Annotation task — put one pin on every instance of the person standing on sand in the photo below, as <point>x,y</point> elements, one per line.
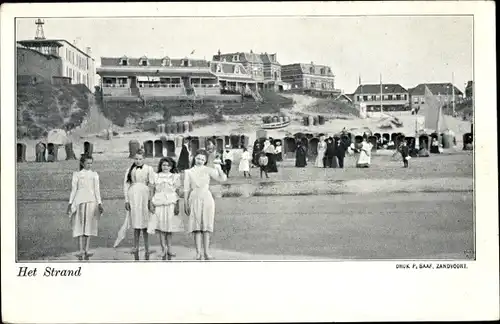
<point>405,153</point>
<point>364,159</point>
<point>271,157</point>
<point>329,153</point>
<point>245,163</point>
<point>228,160</point>
<point>138,188</point>
<point>85,205</point>
<point>279,152</point>
<point>199,203</point>
<point>300,155</point>
<point>263,164</point>
<point>320,159</point>
<point>340,152</point>
<point>165,219</point>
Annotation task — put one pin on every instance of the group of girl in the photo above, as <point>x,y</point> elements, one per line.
<point>266,155</point>
<point>152,204</point>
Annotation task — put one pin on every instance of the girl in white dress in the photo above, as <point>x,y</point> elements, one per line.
<point>245,163</point>
<point>166,219</point>
<point>199,203</point>
<point>364,159</point>
<point>321,153</point>
<point>138,188</point>
<point>85,205</point>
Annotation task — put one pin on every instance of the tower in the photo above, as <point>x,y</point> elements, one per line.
<point>39,29</point>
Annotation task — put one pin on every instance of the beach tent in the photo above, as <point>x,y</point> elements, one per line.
<point>51,152</point>
<point>386,137</point>
<point>373,140</point>
<point>289,146</point>
<point>40,152</point>
<point>133,148</point>
<point>468,142</point>
<point>195,145</point>
<point>424,141</point>
<point>21,152</point>
<point>158,148</point>
<point>148,149</point>
<point>88,148</point>
<point>313,146</point>
<point>244,141</point>
<point>70,153</point>
<point>234,141</point>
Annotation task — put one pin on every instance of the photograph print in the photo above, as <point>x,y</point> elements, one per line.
<point>245,138</point>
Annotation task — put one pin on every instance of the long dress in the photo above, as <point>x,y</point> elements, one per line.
<point>279,153</point>
<point>137,194</point>
<point>84,198</point>
<point>364,159</point>
<point>201,201</point>
<point>300,157</point>
<point>321,154</point>
<point>183,162</point>
<point>165,199</point>
<point>271,157</point>
<point>245,162</point>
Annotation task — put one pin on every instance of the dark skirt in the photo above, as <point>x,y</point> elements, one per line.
<point>271,165</point>
<point>183,163</point>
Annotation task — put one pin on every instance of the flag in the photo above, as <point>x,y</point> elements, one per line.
<point>192,52</point>
<point>360,80</point>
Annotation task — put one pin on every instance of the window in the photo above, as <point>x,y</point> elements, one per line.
<point>219,68</point>
<point>386,97</point>
<point>124,62</point>
<point>358,98</point>
<point>365,98</point>
<point>390,97</point>
<point>398,97</point>
<point>235,58</point>
<point>143,61</point>
<point>416,99</point>
<point>377,97</point>
<point>165,62</point>
<point>185,63</point>
<point>311,70</point>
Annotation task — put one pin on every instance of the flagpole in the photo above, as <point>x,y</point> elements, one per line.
<point>381,94</point>
<point>453,92</point>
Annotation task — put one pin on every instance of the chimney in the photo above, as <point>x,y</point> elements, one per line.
<point>218,52</point>
<point>88,50</point>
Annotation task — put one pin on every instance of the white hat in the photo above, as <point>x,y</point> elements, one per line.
<point>228,146</point>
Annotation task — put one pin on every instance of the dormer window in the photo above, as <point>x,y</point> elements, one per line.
<point>143,61</point>
<point>185,63</point>
<point>124,61</point>
<point>235,58</point>
<point>224,60</point>
<point>166,62</point>
<point>311,70</point>
<point>237,69</point>
<point>219,68</point>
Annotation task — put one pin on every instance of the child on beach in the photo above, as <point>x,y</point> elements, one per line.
<point>245,163</point>
<point>85,205</point>
<point>263,161</point>
<point>138,187</point>
<point>166,219</point>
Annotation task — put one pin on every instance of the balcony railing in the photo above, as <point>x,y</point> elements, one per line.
<point>160,85</point>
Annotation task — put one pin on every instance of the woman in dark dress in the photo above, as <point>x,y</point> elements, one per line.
<point>330,153</point>
<point>300,155</point>
<point>270,152</point>
<point>183,163</point>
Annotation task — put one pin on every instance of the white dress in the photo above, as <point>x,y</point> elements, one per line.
<point>245,162</point>
<point>201,201</point>
<point>365,155</point>
<point>84,198</point>
<point>137,193</point>
<point>165,199</point>
<point>321,154</point>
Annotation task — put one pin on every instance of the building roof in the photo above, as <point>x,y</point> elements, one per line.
<point>228,68</point>
<point>243,57</point>
<point>349,97</point>
<point>435,89</point>
<point>132,61</point>
<point>310,68</point>
<point>375,88</point>
<point>56,42</point>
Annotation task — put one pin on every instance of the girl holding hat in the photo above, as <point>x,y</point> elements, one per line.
<point>199,203</point>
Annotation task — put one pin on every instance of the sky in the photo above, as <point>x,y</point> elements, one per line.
<point>406,50</point>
